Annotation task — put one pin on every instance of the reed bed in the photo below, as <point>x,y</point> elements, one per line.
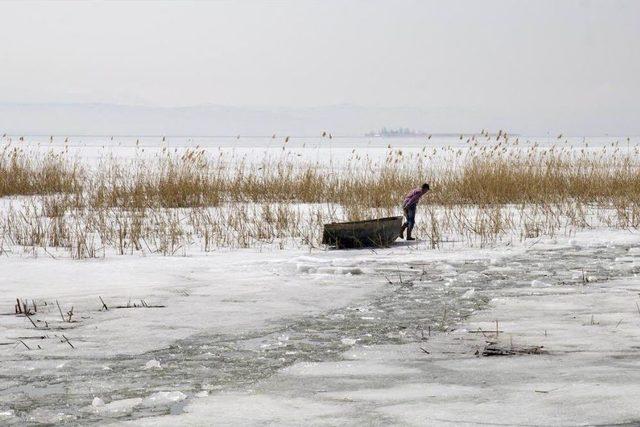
<point>172,203</point>
<point>21,174</point>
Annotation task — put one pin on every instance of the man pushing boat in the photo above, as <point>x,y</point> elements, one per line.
<point>409,207</point>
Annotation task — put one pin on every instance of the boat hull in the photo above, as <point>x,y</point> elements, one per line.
<point>379,232</point>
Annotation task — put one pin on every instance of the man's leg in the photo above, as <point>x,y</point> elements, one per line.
<point>404,226</point>
<point>411,221</point>
<point>409,230</point>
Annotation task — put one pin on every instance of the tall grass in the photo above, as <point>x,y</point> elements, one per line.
<point>171,202</point>
<point>21,174</point>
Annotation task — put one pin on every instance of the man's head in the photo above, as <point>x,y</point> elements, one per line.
<point>425,187</point>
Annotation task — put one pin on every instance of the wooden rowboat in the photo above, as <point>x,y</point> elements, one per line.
<point>378,232</point>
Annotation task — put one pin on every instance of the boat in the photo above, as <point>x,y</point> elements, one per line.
<point>379,232</point>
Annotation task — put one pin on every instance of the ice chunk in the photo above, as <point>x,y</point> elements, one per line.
<point>203,393</point>
<point>340,270</point>
<point>634,251</point>
<point>97,402</point>
<point>470,276</point>
<point>152,364</point>
<point>118,408</point>
<point>48,416</point>
<point>469,293</point>
<point>348,341</point>
<point>539,284</point>
<point>6,414</point>
<point>164,398</point>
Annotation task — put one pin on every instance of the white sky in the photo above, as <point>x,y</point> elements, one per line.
<point>527,57</point>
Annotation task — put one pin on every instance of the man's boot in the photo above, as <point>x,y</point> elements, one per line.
<point>409,230</point>
<point>404,227</point>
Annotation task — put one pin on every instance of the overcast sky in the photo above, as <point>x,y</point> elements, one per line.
<point>513,58</point>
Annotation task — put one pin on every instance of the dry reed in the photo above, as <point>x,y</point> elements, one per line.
<point>172,201</point>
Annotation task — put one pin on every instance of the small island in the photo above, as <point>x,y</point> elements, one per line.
<point>401,132</point>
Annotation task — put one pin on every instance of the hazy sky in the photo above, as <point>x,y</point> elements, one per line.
<point>505,57</point>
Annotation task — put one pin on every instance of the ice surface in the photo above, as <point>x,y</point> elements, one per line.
<point>589,374</point>
<point>334,151</point>
<point>346,368</point>
<point>305,346</point>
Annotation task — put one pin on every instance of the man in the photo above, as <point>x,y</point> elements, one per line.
<point>409,207</point>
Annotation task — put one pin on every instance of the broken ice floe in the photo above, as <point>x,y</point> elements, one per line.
<point>164,398</point>
<point>303,268</point>
<point>338,266</point>
<point>117,408</point>
<point>152,364</point>
<point>97,402</point>
<point>123,407</point>
<point>468,294</point>
<point>348,341</point>
<point>340,270</point>
<point>48,416</point>
<point>539,284</point>
<point>6,414</point>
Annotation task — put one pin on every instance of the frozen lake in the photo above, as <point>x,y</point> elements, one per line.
<point>312,149</point>
<point>230,326</point>
<point>304,335</point>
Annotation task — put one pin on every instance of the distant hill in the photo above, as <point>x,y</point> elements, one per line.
<point>339,120</point>
<point>110,119</point>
